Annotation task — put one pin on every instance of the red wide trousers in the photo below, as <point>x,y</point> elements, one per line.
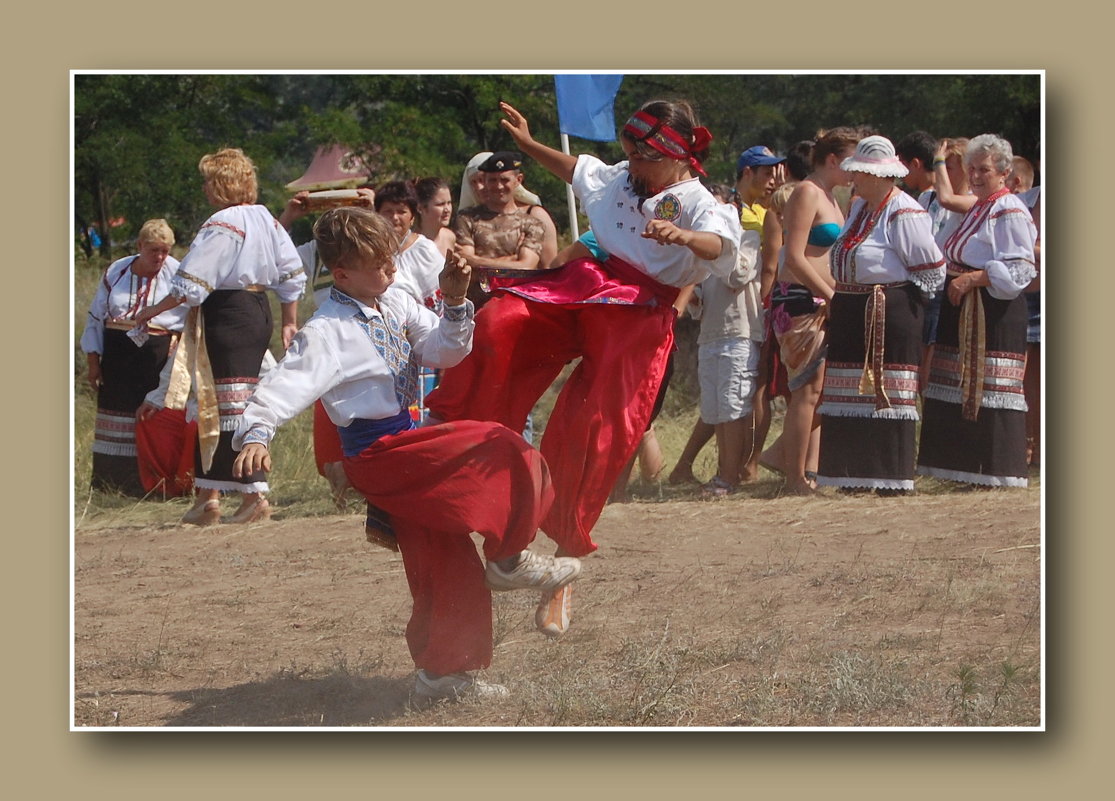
<point>327,442</point>
<point>165,445</point>
<point>519,348</point>
<point>439,484</point>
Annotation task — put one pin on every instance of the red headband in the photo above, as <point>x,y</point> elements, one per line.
<point>667,141</point>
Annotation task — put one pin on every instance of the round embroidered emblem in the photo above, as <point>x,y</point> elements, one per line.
<point>668,208</point>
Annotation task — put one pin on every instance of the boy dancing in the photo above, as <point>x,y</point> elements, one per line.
<point>360,354</point>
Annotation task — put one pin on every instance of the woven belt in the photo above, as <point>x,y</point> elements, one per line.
<point>865,289</point>
<point>128,325</point>
<point>874,326</point>
<point>255,288</point>
<point>972,337</point>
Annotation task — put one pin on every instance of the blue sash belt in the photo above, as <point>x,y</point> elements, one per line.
<point>361,433</point>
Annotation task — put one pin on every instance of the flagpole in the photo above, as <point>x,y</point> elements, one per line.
<point>570,198</point>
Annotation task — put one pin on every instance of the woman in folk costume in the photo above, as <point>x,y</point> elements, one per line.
<point>886,267</point>
<point>238,253</point>
<point>662,230</point>
<point>124,367</point>
<point>974,412</point>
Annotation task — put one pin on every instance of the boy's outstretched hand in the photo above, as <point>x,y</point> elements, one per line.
<point>454,278</point>
<point>252,458</point>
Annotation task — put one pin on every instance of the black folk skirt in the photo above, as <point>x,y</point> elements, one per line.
<point>868,431</point>
<point>238,326</point>
<point>128,373</point>
<point>990,450</point>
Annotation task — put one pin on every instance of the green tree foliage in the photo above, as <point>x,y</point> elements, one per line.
<point>138,138</point>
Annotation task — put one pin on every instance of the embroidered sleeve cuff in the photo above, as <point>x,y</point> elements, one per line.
<point>459,314</point>
<point>192,289</point>
<point>256,434</point>
<point>1009,278</point>
<point>928,277</point>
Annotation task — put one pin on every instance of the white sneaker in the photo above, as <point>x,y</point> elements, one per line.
<point>455,686</point>
<point>534,572</point>
<point>552,615</point>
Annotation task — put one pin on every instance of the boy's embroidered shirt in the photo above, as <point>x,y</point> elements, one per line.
<point>618,218</point>
<point>362,362</point>
<point>236,248</point>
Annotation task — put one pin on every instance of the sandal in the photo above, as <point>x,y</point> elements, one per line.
<point>716,487</point>
<point>203,514</point>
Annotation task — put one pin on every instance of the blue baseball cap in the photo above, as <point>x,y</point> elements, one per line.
<point>758,156</point>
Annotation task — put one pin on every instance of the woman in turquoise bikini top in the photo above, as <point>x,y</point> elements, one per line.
<point>824,235</point>
<point>805,264</point>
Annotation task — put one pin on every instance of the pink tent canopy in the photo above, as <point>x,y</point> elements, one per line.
<point>333,167</point>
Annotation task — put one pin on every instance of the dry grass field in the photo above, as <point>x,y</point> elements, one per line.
<point>749,611</point>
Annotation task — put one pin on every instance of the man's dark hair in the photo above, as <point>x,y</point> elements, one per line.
<point>917,145</point>
<point>799,160</point>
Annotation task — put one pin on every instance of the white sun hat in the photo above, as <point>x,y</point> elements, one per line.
<point>875,156</point>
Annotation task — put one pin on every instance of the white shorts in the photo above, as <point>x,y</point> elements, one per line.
<point>728,372</point>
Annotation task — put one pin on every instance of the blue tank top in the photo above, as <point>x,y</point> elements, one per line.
<point>824,235</point>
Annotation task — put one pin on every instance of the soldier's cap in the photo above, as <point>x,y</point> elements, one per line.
<point>502,161</point>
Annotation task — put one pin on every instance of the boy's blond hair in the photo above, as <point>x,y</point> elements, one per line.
<point>157,231</point>
<point>231,176</point>
<point>779,197</point>
<point>351,236</point>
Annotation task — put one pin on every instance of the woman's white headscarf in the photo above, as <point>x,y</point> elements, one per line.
<point>468,197</point>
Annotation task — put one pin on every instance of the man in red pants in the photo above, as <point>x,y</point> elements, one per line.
<point>662,230</point>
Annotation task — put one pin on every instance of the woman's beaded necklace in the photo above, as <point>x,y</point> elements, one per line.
<point>852,238</point>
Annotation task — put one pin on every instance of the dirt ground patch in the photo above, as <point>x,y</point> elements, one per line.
<point>774,612</point>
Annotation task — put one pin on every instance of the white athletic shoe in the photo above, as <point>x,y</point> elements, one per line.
<point>534,572</point>
<point>455,686</point>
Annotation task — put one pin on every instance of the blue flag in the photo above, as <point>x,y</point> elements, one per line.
<point>585,105</point>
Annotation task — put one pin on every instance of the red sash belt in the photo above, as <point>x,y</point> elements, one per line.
<point>590,281</point>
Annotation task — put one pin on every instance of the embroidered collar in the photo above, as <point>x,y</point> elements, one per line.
<point>347,300</point>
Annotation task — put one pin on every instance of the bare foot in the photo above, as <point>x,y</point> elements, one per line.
<point>798,488</point>
<point>252,509</point>
<point>682,474</point>
<point>338,483</point>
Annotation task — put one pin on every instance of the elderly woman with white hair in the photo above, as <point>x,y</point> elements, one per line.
<point>886,266</point>
<point>974,426</point>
